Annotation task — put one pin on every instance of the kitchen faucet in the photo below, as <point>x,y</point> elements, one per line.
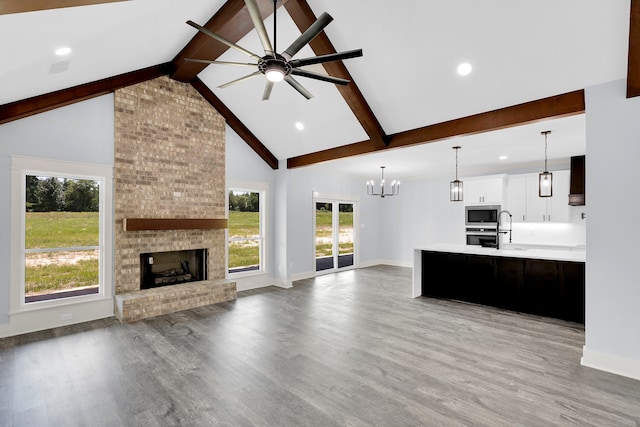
<point>498,231</point>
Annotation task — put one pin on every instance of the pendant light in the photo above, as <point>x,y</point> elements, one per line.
<point>455,188</point>
<point>545,179</point>
<point>371,187</point>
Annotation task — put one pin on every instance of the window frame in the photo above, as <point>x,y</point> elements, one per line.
<point>21,167</point>
<point>262,190</point>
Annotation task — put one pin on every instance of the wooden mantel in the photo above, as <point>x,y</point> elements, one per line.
<point>137,224</point>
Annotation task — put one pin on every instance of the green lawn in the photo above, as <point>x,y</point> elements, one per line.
<point>56,271</point>
<point>58,277</point>
<point>244,225</point>
<point>61,229</point>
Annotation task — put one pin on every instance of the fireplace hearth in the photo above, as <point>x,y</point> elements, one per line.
<point>172,268</point>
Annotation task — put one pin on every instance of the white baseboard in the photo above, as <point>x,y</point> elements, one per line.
<point>302,276</point>
<point>281,283</point>
<point>253,282</point>
<point>49,318</point>
<point>608,363</point>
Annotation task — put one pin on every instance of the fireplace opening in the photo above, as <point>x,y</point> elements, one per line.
<point>172,268</point>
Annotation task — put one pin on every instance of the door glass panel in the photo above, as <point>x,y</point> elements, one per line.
<point>345,235</point>
<point>324,236</point>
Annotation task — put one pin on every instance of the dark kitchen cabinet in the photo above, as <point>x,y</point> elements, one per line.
<point>543,287</point>
<point>509,286</point>
<point>577,181</point>
<point>480,279</point>
<point>572,279</point>
<point>435,282</point>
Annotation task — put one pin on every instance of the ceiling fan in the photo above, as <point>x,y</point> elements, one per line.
<point>277,67</point>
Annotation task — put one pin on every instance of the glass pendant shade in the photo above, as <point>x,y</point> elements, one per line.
<point>455,187</point>
<point>545,184</point>
<point>545,179</point>
<point>456,191</point>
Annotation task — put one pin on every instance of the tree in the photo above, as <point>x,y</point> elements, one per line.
<point>50,195</point>
<point>244,201</point>
<point>32,192</point>
<point>81,195</point>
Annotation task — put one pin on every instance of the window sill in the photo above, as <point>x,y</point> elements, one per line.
<point>247,273</point>
<point>65,302</point>
<point>41,318</point>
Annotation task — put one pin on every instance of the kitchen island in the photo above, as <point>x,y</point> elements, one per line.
<point>547,282</point>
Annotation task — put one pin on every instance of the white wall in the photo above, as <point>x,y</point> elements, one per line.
<point>422,214</point>
<point>81,132</point>
<point>613,254</point>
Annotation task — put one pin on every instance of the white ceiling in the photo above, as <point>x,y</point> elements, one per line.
<point>520,51</point>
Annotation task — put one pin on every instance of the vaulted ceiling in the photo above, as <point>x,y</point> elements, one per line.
<point>530,61</point>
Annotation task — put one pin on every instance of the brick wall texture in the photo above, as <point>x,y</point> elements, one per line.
<point>169,163</point>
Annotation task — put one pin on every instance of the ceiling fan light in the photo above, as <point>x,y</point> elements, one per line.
<point>274,74</point>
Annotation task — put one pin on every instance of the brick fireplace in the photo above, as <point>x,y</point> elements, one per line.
<point>169,163</point>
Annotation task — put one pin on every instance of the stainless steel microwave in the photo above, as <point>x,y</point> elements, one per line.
<point>482,215</point>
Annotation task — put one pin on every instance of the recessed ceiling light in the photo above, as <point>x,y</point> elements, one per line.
<point>63,51</point>
<point>464,68</point>
<point>503,157</point>
<point>299,125</point>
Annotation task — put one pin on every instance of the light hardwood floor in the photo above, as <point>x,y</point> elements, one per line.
<point>343,349</point>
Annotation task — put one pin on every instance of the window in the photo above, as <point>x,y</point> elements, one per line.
<point>60,233</point>
<point>62,237</point>
<point>246,230</point>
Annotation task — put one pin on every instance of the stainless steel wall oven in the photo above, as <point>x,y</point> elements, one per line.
<point>481,223</point>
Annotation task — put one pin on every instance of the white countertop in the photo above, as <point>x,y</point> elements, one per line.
<point>577,255</point>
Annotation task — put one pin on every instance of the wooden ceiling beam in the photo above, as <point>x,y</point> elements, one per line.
<point>553,107</point>
<point>232,21</point>
<point>20,6</point>
<point>633,63</point>
<point>49,101</point>
<point>234,122</point>
<point>303,17</point>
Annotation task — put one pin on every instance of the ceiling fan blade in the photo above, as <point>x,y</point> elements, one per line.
<point>326,58</point>
<point>297,86</point>
<point>241,79</point>
<point>267,90</point>
<point>223,40</point>
<point>308,35</point>
<point>324,78</point>
<point>207,61</point>
<point>258,23</point>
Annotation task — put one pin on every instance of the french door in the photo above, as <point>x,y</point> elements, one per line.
<point>335,240</point>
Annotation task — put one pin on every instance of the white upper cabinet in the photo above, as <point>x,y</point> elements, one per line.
<point>484,191</point>
<point>526,206</point>
<point>517,197</point>
<point>558,205</point>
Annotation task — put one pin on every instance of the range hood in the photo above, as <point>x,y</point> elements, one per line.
<point>577,182</point>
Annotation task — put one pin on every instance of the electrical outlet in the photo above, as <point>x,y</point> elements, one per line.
<point>66,316</point>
